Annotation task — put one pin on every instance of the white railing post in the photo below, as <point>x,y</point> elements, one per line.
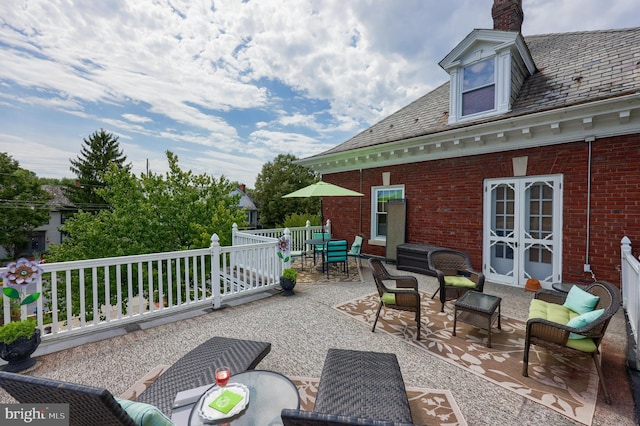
<point>234,231</point>
<point>328,227</point>
<point>234,242</point>
<point>630,287</point>
<point>215,271</point>
<point>625,250</point>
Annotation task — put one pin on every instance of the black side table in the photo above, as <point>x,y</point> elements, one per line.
<point>564,287</point>
<point>477,309</point>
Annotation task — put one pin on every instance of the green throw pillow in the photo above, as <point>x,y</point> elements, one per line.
<point>582,321</point>
<point>580,301</point>
<point>144,414</point>
<point>459,281</point>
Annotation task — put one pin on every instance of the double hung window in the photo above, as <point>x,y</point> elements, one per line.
<point>478,87</point>
<point>380,196</point>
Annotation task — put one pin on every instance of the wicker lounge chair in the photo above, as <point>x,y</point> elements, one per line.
<point>87,405</point>
<point>197,368</point>
<point>356,388</point>
<point>455,274</point>
<point>404,296</point>
<point>555,336</point>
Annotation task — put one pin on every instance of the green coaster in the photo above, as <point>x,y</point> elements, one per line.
<point>226,401</point>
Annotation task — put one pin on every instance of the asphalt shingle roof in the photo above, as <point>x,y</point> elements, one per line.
<point>572,68</point>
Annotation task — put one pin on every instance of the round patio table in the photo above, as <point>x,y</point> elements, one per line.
<point>269,393</point>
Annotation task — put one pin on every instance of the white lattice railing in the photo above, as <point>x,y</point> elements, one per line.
<point>630,269</point>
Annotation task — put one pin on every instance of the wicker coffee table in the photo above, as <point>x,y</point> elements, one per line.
<point>477,309</point>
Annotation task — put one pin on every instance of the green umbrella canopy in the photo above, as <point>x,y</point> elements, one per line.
<point>323,189</point>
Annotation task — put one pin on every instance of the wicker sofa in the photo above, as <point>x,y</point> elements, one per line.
<point>356,388</point>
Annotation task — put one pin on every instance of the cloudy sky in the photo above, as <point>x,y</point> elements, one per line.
<point>228,85</point>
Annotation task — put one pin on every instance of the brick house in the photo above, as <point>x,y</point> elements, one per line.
<point>527,158</point>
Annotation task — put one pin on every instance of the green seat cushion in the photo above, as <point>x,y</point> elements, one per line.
<point>582,321</point>
<point>458,281</point>
<point>550,311</point>
<point>584,345</point>
<point>144,414</point>
<point>560,314</point>
<point>388,298</point>
<point>580,301</point>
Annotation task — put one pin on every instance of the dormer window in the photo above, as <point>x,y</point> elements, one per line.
<point>478,87</point>
<point>487,70</point>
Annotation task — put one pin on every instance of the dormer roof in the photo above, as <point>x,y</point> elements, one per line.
<point>491,42</point>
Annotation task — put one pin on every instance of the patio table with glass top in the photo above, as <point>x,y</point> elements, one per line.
<point>269,393</point>
<point>479,310</point>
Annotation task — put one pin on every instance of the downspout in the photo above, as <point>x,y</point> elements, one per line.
<point>360,190</point>
<point>587,266</point>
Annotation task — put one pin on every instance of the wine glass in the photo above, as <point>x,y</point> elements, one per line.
<point>222,376</point>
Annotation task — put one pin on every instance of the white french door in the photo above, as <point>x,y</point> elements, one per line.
<point>523,230</point>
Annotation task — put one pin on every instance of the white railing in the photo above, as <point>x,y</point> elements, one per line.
<point>298,235</point>
<point>89,295</point>
<point>630,269</point>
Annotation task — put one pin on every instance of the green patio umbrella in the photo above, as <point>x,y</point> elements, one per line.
<point>322,189</point>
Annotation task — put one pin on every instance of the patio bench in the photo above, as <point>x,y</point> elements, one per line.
<point>198,366</point>
<point>356,387</point>
<point>414,257</point>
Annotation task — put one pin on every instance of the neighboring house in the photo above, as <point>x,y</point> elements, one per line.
<point>528,158</point>
<point>247,204</point>
<point>60,208</point>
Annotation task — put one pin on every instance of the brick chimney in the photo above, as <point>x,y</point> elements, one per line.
<point>507,15</point>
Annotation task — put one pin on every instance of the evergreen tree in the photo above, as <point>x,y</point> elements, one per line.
<point>98,153</point>
<point>23,205</point>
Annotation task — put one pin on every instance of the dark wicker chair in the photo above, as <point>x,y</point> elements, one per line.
<point>554,336</point>
<point>87,405</point>
<point>453,263</point>
<point>407,297</point>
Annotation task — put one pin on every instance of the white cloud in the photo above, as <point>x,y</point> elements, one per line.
<point>190,75</point>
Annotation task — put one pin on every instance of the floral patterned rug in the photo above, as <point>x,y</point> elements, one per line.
<point>311,275</point>
<point>566,385</point>
<point>428,406</point>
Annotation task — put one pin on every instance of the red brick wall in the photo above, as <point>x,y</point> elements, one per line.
<point>445,200</point>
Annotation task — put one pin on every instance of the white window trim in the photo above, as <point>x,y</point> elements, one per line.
<point>502,82</point>
<point>379,239</point>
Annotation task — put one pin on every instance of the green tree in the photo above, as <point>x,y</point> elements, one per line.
<point>23,205</point>
<point>279,178</point>
<point>98,154</point>
<point>151,214</point>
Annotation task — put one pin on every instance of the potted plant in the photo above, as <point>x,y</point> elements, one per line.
<point>289,275</point>
<point>19,339</point>
<point>288,281</point>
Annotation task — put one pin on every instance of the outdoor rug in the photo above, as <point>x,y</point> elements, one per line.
<point>311,275</point>
<point>428,406</point>
<point>566,385</point>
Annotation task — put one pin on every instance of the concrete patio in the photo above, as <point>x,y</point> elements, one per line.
<point>302,328</point>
